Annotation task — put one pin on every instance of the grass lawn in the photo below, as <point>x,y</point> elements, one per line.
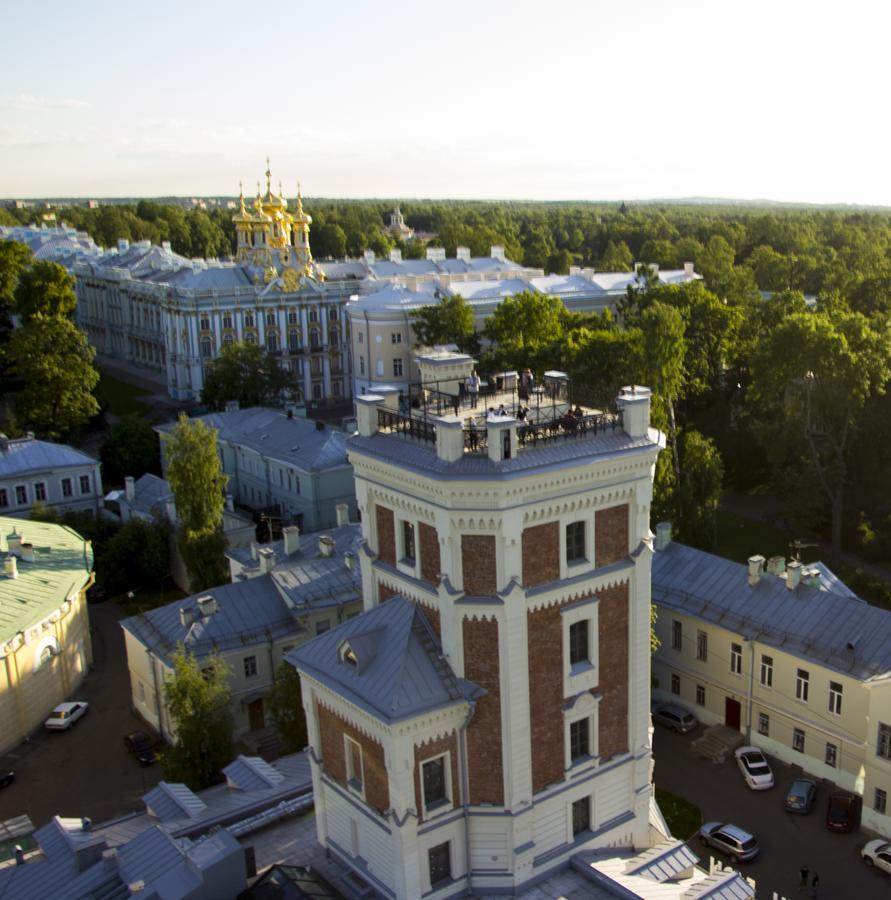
<point>120,398</point>
<point>740,537</point>
<point>683,818</point>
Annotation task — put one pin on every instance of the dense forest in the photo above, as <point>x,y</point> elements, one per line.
<point>770,374</point>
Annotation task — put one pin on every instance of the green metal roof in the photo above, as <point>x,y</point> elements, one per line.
<point>62,564</point>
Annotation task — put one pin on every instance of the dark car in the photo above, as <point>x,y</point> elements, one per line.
<point>141,746</point>
<point>734,841</point>
<point>800,796</point>
<point>840,813</point>
<point>6,778</point>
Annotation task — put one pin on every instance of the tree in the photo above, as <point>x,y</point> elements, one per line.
<point>197,482</point>
<point>812,377</point>
<point>130,449</point>
<point>55,361</point>
<point>524,326</point>
<point>246,373</point>
<point>700,493</point>
<point>45,289</point>
<point>14,260</point>
<point>199,701</point>
<point>137,555</point>
<point>604,360</point>
<point>616,258</point>
<point>450,321</point>
<point>286,704</point>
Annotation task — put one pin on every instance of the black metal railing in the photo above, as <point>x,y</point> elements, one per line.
<point>396,423</point>
<point>568,426</point>
<point>476,439</point>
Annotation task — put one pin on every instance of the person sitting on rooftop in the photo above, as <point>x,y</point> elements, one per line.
<point>501,411</point>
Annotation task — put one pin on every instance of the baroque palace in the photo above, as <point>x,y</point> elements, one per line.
<point>147,307</point>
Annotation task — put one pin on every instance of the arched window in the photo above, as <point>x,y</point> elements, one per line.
<point>294,340</point>
<point>333,336</point>
<point>206,348</point>
<point>227,321</point>
<point>332,313</point>
<point>228,339</point>
<point>315,339</point>
<point>270,318</point>
<point>293,317</point>
<point>272,342</point>
<point>248,320</point>
<point>250,337</point>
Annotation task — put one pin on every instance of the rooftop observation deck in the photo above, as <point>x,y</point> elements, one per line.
<point>432,426</point>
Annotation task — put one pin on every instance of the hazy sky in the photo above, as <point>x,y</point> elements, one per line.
<point>626,99</point>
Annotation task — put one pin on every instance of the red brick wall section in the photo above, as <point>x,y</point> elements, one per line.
<point>385,592</point>
<point>429,541</point>
<point>541,554</point>
<point>481,665</point>
<point>611,535</point>
<point>386,534</point>
<point>612,615</point>
<point>432,615</point>
<point>546,695</point>
<point>447,744</point>
<point>332,728</point>
<point>478,564</point>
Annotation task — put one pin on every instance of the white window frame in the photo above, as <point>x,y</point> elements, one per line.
<point>830,755</point>
<point>835,698</point>
<point>677,635</point>
<point>24,489</point>
<point>799,739</point>
<point>700,695</point>
<point>40,486</point>
<point>802,685</point>
<point>80,485</point>
<point>398,367</point>
<point>583,707</point>
<point>439,806</point>
<point>4,498</point>
<point>735,658</point>
<point>396,337</point>
<point>583,676</point>
<point>70,483</point>
<point>766,671</point>
<point>568,569</point>
<point>675,682</point>
<point>702,645</point>
<point>252,660</point>
<point>580,560</point>
<point>405,563</point>
<point>357,786</point>
<point>764,724</point>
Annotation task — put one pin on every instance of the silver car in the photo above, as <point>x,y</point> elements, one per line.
<point>674,717</point>
<point>729,839</point>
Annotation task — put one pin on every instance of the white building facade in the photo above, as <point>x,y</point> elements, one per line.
<point>488,715</point>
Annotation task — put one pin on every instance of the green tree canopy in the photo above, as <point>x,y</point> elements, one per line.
<point>246,373</point>
<point>197,482</point>
<point>199,701</point>
<point>130,449</point>
<point>286,704</point>
<point>46,289</point>
<point>524,326</point>
<point>450,321</point>
<point>55,362</point>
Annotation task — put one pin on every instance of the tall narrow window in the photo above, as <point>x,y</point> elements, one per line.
<point>736,659</point>
<point>397,367</point>
<point>575,542</point>
<point>85,484</point>
<point>798,740</point>
<point>433,779</point>
<point>702,646</point>
<point>578,642</point>
<point>763,724</point>
<point>440,861</point>
<point>67,488</point>
<point>677,635</point>
<point>883,745</point>
<point>21,494</point>
<point>766,671</point>
<point>802,682</point>
<point>579,739</point>
<point>835,697</point>
<point>700,695</point>
<point>831,755</point>
<point>353,753</point>
<point>880,801</point>
<point>40,491</point>
<point>408,543</point>
<point>675,683</point>
<point>581,816</point>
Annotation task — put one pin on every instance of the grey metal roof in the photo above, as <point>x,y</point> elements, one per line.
<point>27,455</point>
<point>172,801</point>
<point>422,457</point>
<point>247,611</point>
<point>663,862</point>
<point>250,773</point>
<point>728,885</point>
<point>151,494</point>
<point>809,622</point>
<point>296,442</point>
<point>400,671</point>
<point>149,855</point>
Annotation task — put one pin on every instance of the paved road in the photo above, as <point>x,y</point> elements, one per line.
<point>787,841</point>
<point>87,771</point>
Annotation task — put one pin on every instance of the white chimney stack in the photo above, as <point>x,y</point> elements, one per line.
<point>207,606</point>
<point>793,574</point>
<point>756,569</point>
<point>14,542</point>
<point>267,559</point>
<point>253,549</point>
<point>230,503</point>
<point>11,567</point>
<point>291,536</point>
<point>130,488</point>
<point>186,617</point>
<point>327,545</point>
<point>663,535</point>
<point>343,514</point>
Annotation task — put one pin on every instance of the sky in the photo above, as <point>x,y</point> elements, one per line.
<point>556,100</point>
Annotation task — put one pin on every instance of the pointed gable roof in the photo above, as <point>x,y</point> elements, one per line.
<point>387,661</point>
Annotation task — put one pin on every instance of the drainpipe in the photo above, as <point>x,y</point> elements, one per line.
<point>749,698</point>
<point>465,790</point>
<point>151,659</point>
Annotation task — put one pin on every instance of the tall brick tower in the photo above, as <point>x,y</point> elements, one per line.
<point>487,716</point>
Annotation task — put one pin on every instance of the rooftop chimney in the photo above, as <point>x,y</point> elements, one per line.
<point>688,268</point>
<point>267,559</point>
<point>663,535</point>
<point>291,536</point>
<point>756,570</point>
<point>253,549</point>
<point>230,503</point>
<point>26,552</point>
<point>793,574</point>
<point>232,406</point>
<point>19,854</point>
<point>207,606</point>
<point>327,545</point>
<point>186,616</point>
<point>14,542</point>
<point>343,514</point>
<point>11,567</point>
<point>130,488</point>
<point>776,565</point>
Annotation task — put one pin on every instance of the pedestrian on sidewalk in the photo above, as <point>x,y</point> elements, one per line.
<point>802,883</point>
<point>814,882</point>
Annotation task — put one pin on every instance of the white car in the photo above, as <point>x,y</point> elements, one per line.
<point>65,715</point>
<point>755,768</point>
<point>878,854</point>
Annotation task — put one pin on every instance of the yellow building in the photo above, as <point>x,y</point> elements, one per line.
<point>45,646</point>
<point>785,654</point>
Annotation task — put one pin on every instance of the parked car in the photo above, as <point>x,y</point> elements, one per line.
<point>65,715</point>
<point>674,717</point>
<point>800,796</point>
<point>878,854</point>
<point>729,839</point>
<point>840,814</point>
<point>141,746</point>
<point>755,768</point>
<point>6,778</point>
